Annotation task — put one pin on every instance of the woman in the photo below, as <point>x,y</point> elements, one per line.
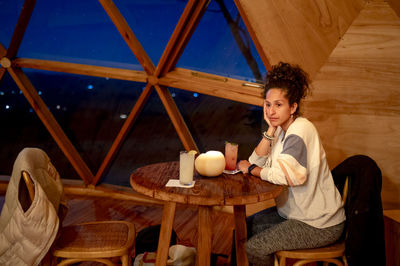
<point>308,213</point>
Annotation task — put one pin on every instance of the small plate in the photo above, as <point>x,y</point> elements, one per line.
<point>231,172</point>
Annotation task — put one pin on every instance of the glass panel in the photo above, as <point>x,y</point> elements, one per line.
<point>91,110</point>
<point>9,13</point>
<point>212,121</point>
<point>154,139</point>
<point>152,22</point>
<point>75,31</point>
<point>81,31</point>
<point>21,128</point>
<point>221,45</point>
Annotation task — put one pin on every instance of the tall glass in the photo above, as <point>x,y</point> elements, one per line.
<point>231,151</point>
<point>186,167</point>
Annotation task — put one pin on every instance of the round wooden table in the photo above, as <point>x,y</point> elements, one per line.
<point>224,190</point>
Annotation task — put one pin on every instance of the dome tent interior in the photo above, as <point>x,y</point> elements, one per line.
<point>108,86</point>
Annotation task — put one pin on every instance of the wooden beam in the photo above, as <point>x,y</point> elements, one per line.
<point>257,44</point>
<point>106,191</point>
<point>80,69</point>
<point>127,34</point>
<point>71,187</point>
<point>2,72</point>
<point>214,85</point>
<point>51,124</point>
<point>137,108</point>
<point>176,118</point>
<point>20,28</point>
<point>187,23</point>
<point>3,51</point>
<point>395,4</point>
<point>298,32</point>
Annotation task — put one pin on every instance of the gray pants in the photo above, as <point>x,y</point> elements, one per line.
<point>268,232</point>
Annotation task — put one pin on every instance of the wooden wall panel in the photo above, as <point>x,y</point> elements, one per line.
<point>298,31</point>
<point>395,4</point>
<point>356,99</point>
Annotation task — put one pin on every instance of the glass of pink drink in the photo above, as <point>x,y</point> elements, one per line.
<point>231,151</point>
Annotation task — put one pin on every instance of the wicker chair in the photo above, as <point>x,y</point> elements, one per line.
<point>95,241</point>
<point>329,254</point>
<point>98,241</point>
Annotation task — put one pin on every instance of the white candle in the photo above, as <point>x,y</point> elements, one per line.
<point>211,163</point>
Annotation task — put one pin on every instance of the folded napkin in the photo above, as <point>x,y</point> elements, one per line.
<point>175,183</point>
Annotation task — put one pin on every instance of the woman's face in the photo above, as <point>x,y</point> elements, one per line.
<point>278,109</point>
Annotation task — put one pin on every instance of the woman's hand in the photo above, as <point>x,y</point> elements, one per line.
<point>265,114</point>
<point>271,128</point>
<point>243,166</point>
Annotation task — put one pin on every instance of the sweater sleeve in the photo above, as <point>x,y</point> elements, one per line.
<point>290,167</point>
<point>268,172</point>
<point>258,160</point>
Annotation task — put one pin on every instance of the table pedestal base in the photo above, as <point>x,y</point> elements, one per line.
<point>165,233</point>
<point>204,242</point>
<point>240,234</point>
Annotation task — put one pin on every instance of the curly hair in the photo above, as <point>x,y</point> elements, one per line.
<point>290,78</point>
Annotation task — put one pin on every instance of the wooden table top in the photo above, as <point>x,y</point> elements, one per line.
<point>225,189</point>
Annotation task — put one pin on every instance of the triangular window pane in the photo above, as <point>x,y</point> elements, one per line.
<point>152,139</point>
<point>90,110</point>
<point>152,22</point>
<point>9,13</point>
<point>78,32</point>
<point>21,128</point>
<point>221,45</point>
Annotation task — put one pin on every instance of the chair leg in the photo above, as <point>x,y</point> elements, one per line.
<point>345,260</point>
<point>126,260</point>
<point>280,261</point>
<point>276,261</point>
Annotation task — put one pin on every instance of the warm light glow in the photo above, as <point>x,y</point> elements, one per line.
<point>211,163</point>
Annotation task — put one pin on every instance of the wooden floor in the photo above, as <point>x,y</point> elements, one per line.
<point>88,208</point>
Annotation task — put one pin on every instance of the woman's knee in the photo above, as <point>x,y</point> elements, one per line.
<point>257,255</point>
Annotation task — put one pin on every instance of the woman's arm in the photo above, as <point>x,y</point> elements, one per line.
<point>264,146</point>
<point>244,165</point>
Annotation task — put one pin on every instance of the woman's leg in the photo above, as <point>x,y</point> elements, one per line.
<point>287,235</point>
<point>257,223</point>
<point>262,220</point>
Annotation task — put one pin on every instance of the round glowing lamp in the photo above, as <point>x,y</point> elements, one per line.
<point>211,163</point>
